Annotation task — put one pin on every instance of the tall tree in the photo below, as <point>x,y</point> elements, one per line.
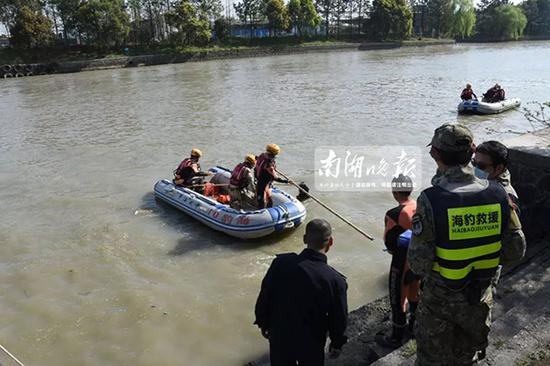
<point>9,9</point>
<point>509,22</point>
<point>339,9</point>
<point>104,23</point>
<point>303,15</point>
<point>390,19</point>
<point>277,15</point>
<point>67,11</point>
<point>485,15</point>
<point>362,9</point>
<point>212,9</point>
<point>459,18</point>
<point>31,29</point>
<point>222,28</point>
<point>193,28</point>
<point>249,12</point>
<point>436,15</point>
<point>538,16</point>
<point>325,8</point>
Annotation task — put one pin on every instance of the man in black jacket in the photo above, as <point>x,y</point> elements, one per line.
<point>301,300</point>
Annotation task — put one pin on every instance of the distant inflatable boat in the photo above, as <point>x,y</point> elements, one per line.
<point>479,107</point>
<point>287,212</point>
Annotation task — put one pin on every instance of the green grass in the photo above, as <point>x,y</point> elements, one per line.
<point>498,344</point>
<point>427,40</point>
<point>60,54</point>
<point>537,358</point>
<point>409,349</point>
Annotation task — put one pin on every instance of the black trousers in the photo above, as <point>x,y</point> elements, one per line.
<point>399,317</point>
<point>284,352</point>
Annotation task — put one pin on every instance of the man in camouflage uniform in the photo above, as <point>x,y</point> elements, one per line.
<point>462,230</point>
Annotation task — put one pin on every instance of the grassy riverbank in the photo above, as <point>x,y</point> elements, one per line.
<point>234,46</point>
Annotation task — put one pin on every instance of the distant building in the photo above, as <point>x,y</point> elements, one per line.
<point>244,30</point>
<point>261,30</point>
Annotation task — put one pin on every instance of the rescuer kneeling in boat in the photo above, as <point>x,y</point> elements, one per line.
<point>303,299</point>
<point>468,93</point>
<point>266,173</point>
<point>404,286</point>
<point>494,95</point>
<point>241,185</point>
<point>188,173</point>
<point>463,229</point>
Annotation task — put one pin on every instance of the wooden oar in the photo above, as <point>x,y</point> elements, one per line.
<point>325,206</point>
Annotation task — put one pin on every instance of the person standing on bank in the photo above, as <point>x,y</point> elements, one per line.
<point>491,162</point>
<point>266,172</point>
<point>302,299</point>
<point>462,230</point>
<point>403,286</point>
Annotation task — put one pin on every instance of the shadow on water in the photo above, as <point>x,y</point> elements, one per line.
<point>212,239</point>
<point>197,235</point>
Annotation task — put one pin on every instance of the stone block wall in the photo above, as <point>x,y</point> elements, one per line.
<point>530,170</point>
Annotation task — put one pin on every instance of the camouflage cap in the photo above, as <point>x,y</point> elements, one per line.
<point>452,137</point>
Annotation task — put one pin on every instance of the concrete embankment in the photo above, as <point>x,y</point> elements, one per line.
<point>521,316</point>
<point>20,70</point>
<point>484,39</point>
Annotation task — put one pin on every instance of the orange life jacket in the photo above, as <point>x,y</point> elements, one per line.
<point>185,170</point>
<point>402,216</point>
<point>237,175</point>
<point>467,94</point>
<point>264,164</point>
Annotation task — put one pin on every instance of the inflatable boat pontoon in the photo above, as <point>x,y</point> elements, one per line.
<point>287,212</point>
<point>479,107</point>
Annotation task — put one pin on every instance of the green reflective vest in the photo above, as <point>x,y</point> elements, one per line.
<point>468,232</point>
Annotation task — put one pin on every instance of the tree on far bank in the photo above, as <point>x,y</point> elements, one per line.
<point>363,7</point>
<point>277,16</point>
<point>390,20</point>
<point>31,29</point>
<point>303,15</point>
<point>436,15</point>
<point>509,22</point>
<point>193,27</point>
<point>459,18</point>
<point>249,12</point>
<point>10,8</point>
<point>103,23</point>
<point>222,28</point>
<point>212,9</point>
<point>67,11</point>
<point>485,15</point>
<point>324,7</point>
<point>537,13</point>
<point>503,22</point>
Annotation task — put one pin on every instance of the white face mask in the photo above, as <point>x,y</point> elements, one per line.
<point>481,174</point>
